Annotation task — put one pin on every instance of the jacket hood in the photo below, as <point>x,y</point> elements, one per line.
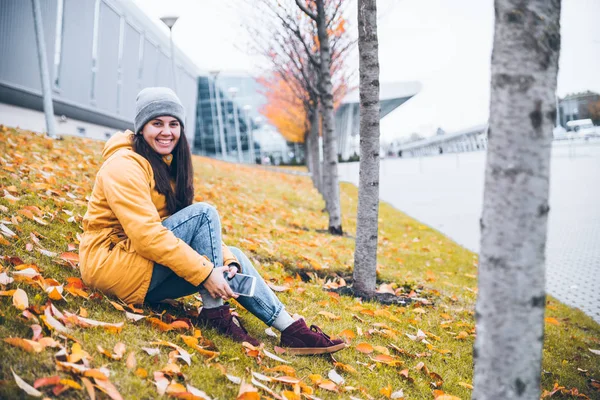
<point>120,140</point>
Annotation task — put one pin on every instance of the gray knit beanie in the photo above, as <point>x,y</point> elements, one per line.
<point>155,102</point>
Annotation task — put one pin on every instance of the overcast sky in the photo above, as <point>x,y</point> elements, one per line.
<point>444,44</point>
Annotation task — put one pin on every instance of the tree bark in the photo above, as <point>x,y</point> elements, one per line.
<point>331,187</point>
<point>365,252</point>
<point>511,301</point>
<point>315,167</point>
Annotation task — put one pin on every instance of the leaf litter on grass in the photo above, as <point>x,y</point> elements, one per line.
<point>99,344</point>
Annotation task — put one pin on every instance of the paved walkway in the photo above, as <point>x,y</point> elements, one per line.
<point>446,192</point>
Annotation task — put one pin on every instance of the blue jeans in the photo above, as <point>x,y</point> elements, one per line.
<point>199,226</point>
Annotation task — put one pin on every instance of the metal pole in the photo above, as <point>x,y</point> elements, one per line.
<point>220,118</point>
<point>44,74</point>
<point>173,60</point>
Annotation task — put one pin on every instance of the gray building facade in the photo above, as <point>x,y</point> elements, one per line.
<point>100,53</point>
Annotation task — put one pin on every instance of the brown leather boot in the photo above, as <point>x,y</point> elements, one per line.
<point>223,321</point>
<point>300,339</point>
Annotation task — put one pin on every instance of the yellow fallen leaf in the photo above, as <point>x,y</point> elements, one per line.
<point>347,334</point>
<point>329,315</point>
<point>20,300</point>
<point>462,335</point>
<point>364,348</point>
<point>552,321</point>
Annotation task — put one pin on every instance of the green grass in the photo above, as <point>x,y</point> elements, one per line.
<point>278,220</point>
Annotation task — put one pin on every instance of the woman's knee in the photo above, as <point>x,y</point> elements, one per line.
<point>237,253</point>
<point>205,209</point>
<point>242,258</point>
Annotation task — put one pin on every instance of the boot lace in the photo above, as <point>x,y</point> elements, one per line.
<point>318,330</point>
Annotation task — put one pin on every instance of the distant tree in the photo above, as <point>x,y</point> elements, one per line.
<point>511,300</point>
<point>325,19</point>
<point>365,252</point>
<point>294,46</point>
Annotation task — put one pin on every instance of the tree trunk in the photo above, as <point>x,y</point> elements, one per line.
<point>365,252</point>
<point>331,187</point>
<point>315,167</point>
<point>511,301</point>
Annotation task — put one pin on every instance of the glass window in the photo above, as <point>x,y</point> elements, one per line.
<point>58,40</point>
<point>120,63</point>
<point>95,48</point>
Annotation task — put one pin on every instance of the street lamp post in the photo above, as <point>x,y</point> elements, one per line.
<point>233,91</point>
<point>215,74</point>
<point>45,76</point>
<point>250,133</point>
<point>170,22</point>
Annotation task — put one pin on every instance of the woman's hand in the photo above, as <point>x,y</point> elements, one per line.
<point>217,286</point>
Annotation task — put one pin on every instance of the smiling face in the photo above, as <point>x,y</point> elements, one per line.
<point>162,134</point>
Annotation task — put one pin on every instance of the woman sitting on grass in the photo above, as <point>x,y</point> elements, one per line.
<point>144,240</point>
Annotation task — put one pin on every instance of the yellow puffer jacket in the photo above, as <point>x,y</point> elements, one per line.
<point>122,231</point>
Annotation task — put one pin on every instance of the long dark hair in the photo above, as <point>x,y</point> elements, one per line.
<point>181,171</point>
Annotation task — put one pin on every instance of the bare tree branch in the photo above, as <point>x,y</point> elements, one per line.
<point>305,10</point>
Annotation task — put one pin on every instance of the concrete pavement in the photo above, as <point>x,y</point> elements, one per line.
<point>446,192</point>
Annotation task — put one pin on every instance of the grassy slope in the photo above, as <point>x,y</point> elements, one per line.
<point>276,218</point>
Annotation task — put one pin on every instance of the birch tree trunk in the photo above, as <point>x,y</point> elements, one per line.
<point>511,301</point>
<point>365,252</point>
<point>331,186</point>
<point>315,167</point>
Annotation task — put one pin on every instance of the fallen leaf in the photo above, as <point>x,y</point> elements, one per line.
<point>335,377</point>
<point>20,300</point>
<point>345,367</point>
<point>161,382</point>
<point>199,394</point>
<point>466,385</point>
<point>70,257</point>
<point>347,334</point>
<point>234,379</point>
<point>553,321</point>
<point>27,273</point>
<point>266,389</point>
<point>597,352</point>
<point>151,351</point>
<point>386,391</point>
<point>47,381</point>
<point>25,344</point>
<point>108,388</point>
<point>70,383</point>
<point>270,332</point>
<point>462,335</point>
<point>364,348</point>
<point>328,385</point>
<point>141,372</point>
<point>278,288</point>
<point>329,315</point>
<point>131,362</point>
<point>116,305</point>
<point>5,279</point>
<point>247,392</point>
<point>274,357</point>
<point>26,387</point>
<point>162,326</point>
<point>89,387</point>
<point>134,317</point>
<point>6,231</point>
